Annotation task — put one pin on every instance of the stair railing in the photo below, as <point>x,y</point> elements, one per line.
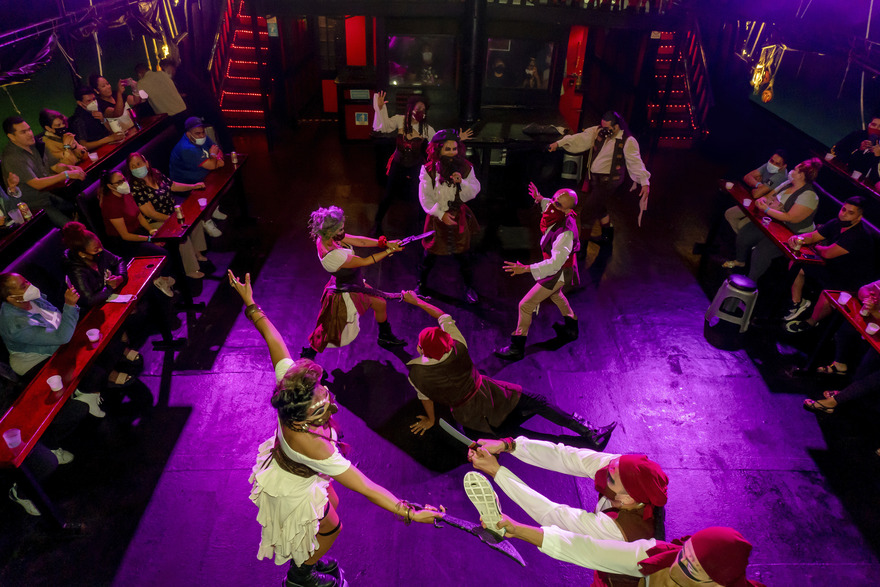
<point>697,76</point>
<point>223,37</point>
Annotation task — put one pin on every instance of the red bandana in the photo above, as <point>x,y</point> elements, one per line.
<point>551,216</point>
<point>435,342</point>
<point>642,478</point>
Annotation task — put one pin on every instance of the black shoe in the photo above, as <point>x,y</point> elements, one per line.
<point>308,352</point>
<point>471,296</point>
<point>568,330</point>
<point>601,436</point>
<point>314,579</point>
<point>328,566</point>
<point>386,337</point>
<point>515,351</point>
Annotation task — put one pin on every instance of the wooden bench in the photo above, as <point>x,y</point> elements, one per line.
<point>36,407</point>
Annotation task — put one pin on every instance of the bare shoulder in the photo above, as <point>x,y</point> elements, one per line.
<point>309,445</point>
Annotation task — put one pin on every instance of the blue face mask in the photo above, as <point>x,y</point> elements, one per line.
<point>772,168</point>
<point>140,172</point>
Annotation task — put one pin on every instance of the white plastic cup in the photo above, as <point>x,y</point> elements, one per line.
<point>843,298</point>
<point>856,174</point>
<point>55,383</point>
<point>766,220</point>
<point>829,156</point>
<point>729,185</point>
<point>94,334</point>
<point>93,157</point>
<point>872,328</point>
<point>203,203</point>
<point>12,437</point>
<point>115,125</point>
<point>747,202</point>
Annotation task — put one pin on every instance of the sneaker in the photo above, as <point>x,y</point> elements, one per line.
<point>62,455</point>
<point>164,286</point>
<point>481,494</point>
<point>798,326</point>
<point>27,504</point>
<point>211,228</point>
<point>219,215</point>
<point>795,310</point>
<point>93,400</point>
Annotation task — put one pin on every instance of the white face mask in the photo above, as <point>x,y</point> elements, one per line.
<point>31,293</point>
<point>427,56</point>
<point>93,106</point>
<point>772,168</point>
<point>201,141</point>
<point>123,188</point>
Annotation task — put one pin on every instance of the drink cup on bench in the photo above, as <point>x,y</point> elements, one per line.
<point>12,437</point>
<point>203,203</point>
<point>872,328</point>
<point>94,335</point>
<point>843,298</point>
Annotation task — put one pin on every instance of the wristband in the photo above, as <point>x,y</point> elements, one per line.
<point>149,238</point>
<point>66,175</point>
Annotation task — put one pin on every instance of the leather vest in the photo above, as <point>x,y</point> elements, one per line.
<point>547,241</point>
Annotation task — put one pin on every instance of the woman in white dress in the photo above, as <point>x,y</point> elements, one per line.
<point>294,469</point>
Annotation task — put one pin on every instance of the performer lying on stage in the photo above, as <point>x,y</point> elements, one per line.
<point>444,373</point>
<point>632,492</point>
<point>346,295</point>
<point>446,182</point>
<point>291,478</point>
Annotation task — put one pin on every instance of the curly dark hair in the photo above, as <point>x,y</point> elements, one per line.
<point>459,162</point>
<point>295,392</point>
<point>77,237</point>
<point>408,117</point>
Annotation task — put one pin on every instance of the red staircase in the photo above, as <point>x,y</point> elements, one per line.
<point>234,67</point>
<point>679,107</point>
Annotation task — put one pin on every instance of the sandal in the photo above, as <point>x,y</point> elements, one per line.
<point>832,369</point>
<point>816,407</point>
<point>131,355</point>
<point>120,380</point>
<point>830,394</point>
<point>733,264</point>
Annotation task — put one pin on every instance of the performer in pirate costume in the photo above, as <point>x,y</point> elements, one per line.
<point>612,151</point>
<point>559,246</point>
<point>632,492</point>
<point>294,469</point>
<point>447,181</point>
<point>346,296</point>
<point>444,373</point>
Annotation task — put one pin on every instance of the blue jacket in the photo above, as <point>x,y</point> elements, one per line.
<point>24,332</point>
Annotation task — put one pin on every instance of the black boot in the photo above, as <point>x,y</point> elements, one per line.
<point>601,436</point>
<point>386,337</point>
<point>308,353</point>
<point>515,351</point>
<point>328,566</point>
<point>594,438</point>
<point>567,331</point>
<point>308,576</point>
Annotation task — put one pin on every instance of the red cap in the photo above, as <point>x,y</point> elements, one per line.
<point>724,555</point>
<point>644,481</point>
<point>435,342</point>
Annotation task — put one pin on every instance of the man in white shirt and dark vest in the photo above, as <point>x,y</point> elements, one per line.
<point>612,153</point>
<point>559,246</point>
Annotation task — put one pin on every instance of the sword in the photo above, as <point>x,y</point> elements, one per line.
<point>415,237</point>
<point>486,537</point>
<point>450,429</point>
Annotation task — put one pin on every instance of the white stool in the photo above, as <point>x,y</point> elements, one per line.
<point>734,302</point>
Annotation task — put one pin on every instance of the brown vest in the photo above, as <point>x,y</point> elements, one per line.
<point>633,528</point>
<point>547,241</point>
<point>477,402</point>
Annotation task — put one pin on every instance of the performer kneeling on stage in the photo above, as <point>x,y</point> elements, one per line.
<point>346,296</point>
<point>445,373</point>
<point>294,469</point>
<point>448,181</point>
<point>632,492</point>
<point>559,246</point>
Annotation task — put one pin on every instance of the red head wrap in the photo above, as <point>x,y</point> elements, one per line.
<point>435,342</point>
<point>644,481</point>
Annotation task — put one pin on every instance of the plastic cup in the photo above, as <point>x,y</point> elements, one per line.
<point>766,220</point>
<point>729,185</point>
<point>94,334</point>
<point>93,156</point>
<point>55,383</point>
<point>856,174</point>
<point>843,298</point>
<point>747,202</point>
<point>115,126</point>
<point>829,156</point>
<point>872,328</point>
<point>203,203</point>
<point>12,437</point>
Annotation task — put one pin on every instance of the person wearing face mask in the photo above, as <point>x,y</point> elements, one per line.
<point>559,246</point>
<point>294,470</point>
<point>115,106</point>
<point>860,149</point>
<point>848,250</point>
<point>61,145</point>
<point>87,123</point>
<point>152,191</point>
<point>794,204</point>
<point>632,491</point>
<point>761,181</point>
<point>444,373</point>
<point>346,295</point>
<point>498,76</point>
<point>613,154</point>
<point>427,75</point>
<point>446,182</point>
<point>193,158</point>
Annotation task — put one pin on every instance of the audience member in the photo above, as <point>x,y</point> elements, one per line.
<point>61,145</point>
<point>848,251</point>
<point>859,149</point>
<point>152,192</point>
<point>87,122</point>
<point>161,91</point>
<point>37,177</point>
<point>761,181</point>
<point>202,103</point>
<point>116,106</point>
<point>193,158</point>
<point>9,197</point>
